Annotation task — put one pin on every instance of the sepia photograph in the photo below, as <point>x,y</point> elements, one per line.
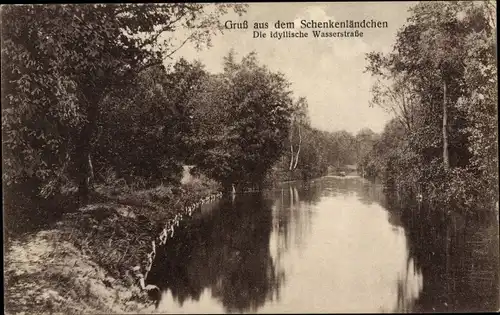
<point>271,157</point>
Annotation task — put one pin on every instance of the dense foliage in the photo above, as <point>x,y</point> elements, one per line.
<point>76,77</point>
<point>241,121</point>
<point>88,97</point>
<point>441,82</point>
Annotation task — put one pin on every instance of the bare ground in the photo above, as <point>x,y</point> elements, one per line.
<point>46,274</point>
<point>82,263</point>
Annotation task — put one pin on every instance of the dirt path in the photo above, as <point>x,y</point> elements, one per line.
<point>45,274</point>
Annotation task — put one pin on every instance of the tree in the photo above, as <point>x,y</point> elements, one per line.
<point>380,161</point>
<point>155,142</point>
<point>365,140</point>
<point>299,121</point>
<point>314,160</point>
<point>433,65</point>
<point>395,95</point>
<point>60,61</point>
<point>244,117</point>
<point>439,55</point>
<point>343,148</point>
<point>183,83</point>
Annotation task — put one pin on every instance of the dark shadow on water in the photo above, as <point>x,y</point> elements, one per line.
<point>459,259</point>
<point>207,253</point>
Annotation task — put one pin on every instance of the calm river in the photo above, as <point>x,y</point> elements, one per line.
<point>332,245</point>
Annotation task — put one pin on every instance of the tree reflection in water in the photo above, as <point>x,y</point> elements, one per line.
<point>208,254</point>
<point>292,214</point>
<point>459,261</point>
<point>366,250</point>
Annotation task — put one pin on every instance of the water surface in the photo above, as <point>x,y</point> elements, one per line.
<point>332,245</point>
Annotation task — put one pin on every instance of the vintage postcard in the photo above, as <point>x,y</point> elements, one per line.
<point>302,157</point>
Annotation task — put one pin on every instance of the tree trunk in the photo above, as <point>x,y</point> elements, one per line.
<point>298,150</point>
<point>83,158</point>
<point>91,170</point>
<point>446,159</point>
<point>291,157</point>
<point>290,167</point>
<point>83,152</point>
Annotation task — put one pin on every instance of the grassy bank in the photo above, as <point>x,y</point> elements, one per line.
<point>90,259</point>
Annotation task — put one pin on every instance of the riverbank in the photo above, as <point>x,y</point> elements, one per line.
<point>92,260</point>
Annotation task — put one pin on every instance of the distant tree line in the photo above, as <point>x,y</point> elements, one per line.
<point>440,82</point>
<point>313,153</point>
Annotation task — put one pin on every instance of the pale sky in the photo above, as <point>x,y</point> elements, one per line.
<point>327,71</point>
